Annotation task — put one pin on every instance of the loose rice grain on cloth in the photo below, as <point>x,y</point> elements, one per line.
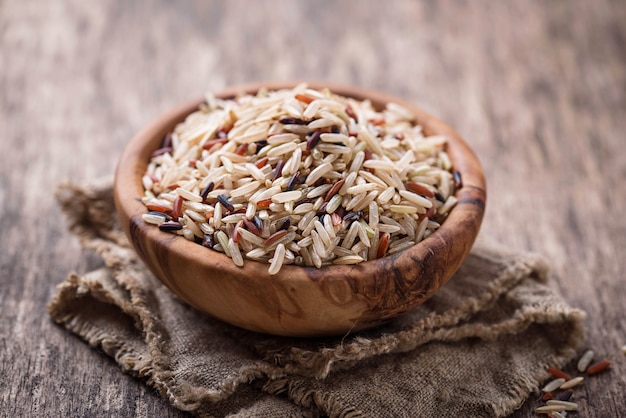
<point>479,347</point>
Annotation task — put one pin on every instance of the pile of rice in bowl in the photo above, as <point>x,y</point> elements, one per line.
<point>300,176</point>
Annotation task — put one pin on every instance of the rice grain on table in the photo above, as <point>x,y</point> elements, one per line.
<point>553,385</point>
<point>567,406</point>
<point>548,409</point>
<point>598,367</point>
<point>585,361</point>
<point>572,382</point>
<point>300,176</point>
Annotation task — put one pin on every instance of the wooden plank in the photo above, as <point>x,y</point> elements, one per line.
<point>538,88</point>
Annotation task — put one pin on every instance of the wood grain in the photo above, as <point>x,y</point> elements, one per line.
<point>538,89</point>
<point>289,303</point>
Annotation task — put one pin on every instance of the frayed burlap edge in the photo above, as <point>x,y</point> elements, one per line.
<point>98,234</point>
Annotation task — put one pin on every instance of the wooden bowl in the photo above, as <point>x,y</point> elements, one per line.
<point>301,301</point>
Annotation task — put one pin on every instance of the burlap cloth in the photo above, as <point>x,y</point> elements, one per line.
<point>478,348</point>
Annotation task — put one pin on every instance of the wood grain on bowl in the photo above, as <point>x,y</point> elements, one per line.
<point>302,301</point>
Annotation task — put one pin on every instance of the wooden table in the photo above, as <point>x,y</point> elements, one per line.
<point>537,87</point>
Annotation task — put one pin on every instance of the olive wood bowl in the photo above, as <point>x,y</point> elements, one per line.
<point>301,301</point>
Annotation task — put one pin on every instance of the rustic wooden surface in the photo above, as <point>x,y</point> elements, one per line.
<point>538,88</point>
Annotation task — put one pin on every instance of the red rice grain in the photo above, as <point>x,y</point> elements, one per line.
<point>598,367</point>
<point>554,372</point>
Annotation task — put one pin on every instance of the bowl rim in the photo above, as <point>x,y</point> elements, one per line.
<point>466,216</point>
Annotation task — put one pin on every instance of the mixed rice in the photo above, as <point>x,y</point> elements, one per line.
<point>300,176</point>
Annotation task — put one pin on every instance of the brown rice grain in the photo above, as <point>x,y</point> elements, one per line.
<point>255,172</point>
<point>450,202</point>
<point>283,138</point>
<point>351,235</point>
<point>373,214</point>
<point>222,238</point>
<point>192,226</point>
<point>567,406</point>
<point>277,259</point>
<point>421,230</point>
<point>348,259</point>
<point>315,258</point>
<point>572,382</point>
<point>287,196</point>
<point>357,162</point>
<point>415,198</point>
<point>401,247</point>
<point>329,227</point>
<point>188,234</point>
<point>403,209</point>
<point>553,385</point>
<point>548,409</point>
<point>362,188</point>
<point>359,248</point>
<point>282,149</point>
<point>257,253</point>
<point>235,253</point>
<point>362,233</point>
<point>386,195</point>
<point>372,178</point>
<point>246,189</point>
<point>323,234</point>
<point>206,229</point>
<point>153,218</point>
<point>217,216</point>
<point>250,237</point>
<point>341,251</point>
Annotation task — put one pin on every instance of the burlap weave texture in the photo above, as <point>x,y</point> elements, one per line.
<point>478,348</point>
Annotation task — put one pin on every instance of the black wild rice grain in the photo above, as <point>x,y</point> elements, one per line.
<point>313,140</point>
<point>164,215</point>
<point>278,171</point>
<point>285,225</point>
<point>225,202</point>
<point>287,120</point>
<point>294,180</point>
<point>458,182</point>
<point>208,189</point>
<point>566,395</point>
<point>353,216</point>
<point>170,226</point>
<point>208,241</point>
<point>258,223</point>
